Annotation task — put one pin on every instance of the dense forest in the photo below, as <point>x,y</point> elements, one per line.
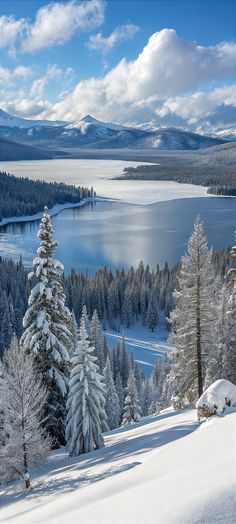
<point>61,384</point>
<point>214,168</point>
<point>220,179</point>
<point>120,298</point>
<point>22,196</point>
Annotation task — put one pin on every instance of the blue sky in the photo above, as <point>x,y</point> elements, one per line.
<point>171,62</point>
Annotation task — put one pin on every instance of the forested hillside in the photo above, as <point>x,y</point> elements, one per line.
<point>22,196</point>
<point>119,298</point>
<point>214,167</point>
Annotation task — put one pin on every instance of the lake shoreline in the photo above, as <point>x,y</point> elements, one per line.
<point>53,211</point>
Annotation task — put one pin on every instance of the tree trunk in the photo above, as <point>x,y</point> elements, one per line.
<point>199,348</point>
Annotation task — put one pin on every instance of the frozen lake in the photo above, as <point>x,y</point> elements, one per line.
<point>98,173</point>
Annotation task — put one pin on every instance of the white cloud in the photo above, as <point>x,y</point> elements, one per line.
<point>200,105</point>
<point>57,22</point>
<point>26,108</point>
<point>5,75</point>
<point>8,75</point>
<point>22,71</point>
<point>166,67</point>
<point>53,74</point>
<point>105,44</point>
<point>10,30</point>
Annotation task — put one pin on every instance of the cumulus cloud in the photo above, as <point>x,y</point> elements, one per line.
<point>53,74</point>
<point>57,22</point>
<point>167,67</point>
<point>104,44</point>
<point>26,108</point>
<point>10,30</point>
<point>200,105</point>
<point>22,71</point>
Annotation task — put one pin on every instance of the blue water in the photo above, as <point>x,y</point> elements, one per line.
<point>120,235</point>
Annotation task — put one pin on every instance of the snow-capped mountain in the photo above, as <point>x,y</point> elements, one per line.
<point>8,120</point>
<point>90,133</point>
<point>89,122</point>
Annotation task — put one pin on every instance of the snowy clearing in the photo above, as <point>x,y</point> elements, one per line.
<point>164,470</point>
<point>146,346</point>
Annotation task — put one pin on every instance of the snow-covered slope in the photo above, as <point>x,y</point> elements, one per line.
<point>8,120</point>
<point>164,470</point>
<point>90,133</point>
<point>88,121</point>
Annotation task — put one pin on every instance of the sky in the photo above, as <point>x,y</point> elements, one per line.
<point>169,62</point>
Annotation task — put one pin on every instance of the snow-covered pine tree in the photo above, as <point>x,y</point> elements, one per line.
<point>85,319</point>
<point>218,352</point>
<point>121,394</point>
<point>193,319</point>
<point>123,361</point>
<point>47,324</point>
<point>86,417</point>
<point>152,312</point>
<point>22,399</point>
<point>96,340</point>
<point>229,358</point>
<point>112,405</point>
<point>132,408</point>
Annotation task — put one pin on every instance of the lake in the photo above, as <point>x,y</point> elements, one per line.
<point>118,234</point>
<point>99,173</point>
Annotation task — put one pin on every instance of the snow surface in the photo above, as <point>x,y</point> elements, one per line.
<point>100,174</point>
<point>219,394</point>
<point>146,346</point>
<point>164,470</point>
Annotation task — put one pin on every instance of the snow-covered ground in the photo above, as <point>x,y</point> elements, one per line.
<point>146,346</point>
<point>99,174</point>
<point>164,470</point>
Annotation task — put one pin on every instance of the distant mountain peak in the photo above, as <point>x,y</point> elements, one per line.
<point>89,119</point>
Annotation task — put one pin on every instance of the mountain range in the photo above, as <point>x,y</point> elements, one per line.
<point>52,138</point>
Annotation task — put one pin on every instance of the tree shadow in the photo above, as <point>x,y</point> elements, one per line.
<point>64,485</point>
<point>53,481</point>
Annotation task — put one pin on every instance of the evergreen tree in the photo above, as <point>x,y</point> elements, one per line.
<point>218,352</point>
<point>86,417</point>
<point>229,358</point>
<point>131,406</point>
<point>47,324</point>
<point>121,394</point>
<point>112,405</point>
<point>22,399</point>
<point>96,340</point>
<point>152,312</point>
<point>194,317</point>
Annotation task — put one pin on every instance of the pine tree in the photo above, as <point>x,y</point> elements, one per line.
<point>85,319</point>
<point>112,405</point>
<point>121,394</point>
<point>229,358</point>
<point>47,324</point>
<point>131,407</point>
<point>22,399</point>
<point>96,340</point>
<point>194,317</point>
<point>218,352</point>
<point>86,417</point>
<point>152,312</point>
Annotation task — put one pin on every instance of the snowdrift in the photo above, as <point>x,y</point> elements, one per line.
<point>164,470</point>
<point>214,400</point>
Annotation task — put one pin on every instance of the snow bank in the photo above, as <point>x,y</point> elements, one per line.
<point>165,469</point>
<point>214,400</point>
